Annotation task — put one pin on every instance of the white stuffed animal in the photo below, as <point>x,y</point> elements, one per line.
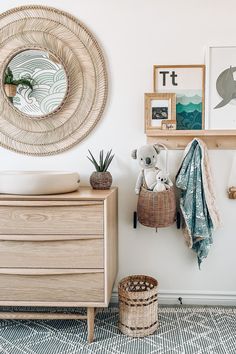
<point>147,159</point>
<point>163,182</point>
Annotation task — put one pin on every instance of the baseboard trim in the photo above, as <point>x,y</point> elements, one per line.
<point>167,297</point>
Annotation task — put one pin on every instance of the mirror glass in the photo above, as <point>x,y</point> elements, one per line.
<point>35,82</point>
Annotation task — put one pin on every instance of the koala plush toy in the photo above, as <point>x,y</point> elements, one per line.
<point>163,182</point>
<point>147,159</point>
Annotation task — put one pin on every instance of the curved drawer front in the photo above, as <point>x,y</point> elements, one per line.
<point>83,218</point>
<point>67,253</point>
<point>51,286</point>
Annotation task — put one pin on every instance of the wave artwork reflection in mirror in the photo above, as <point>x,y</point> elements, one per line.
<point>35,82</point>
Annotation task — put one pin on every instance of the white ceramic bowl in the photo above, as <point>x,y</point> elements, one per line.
<point>38,182</point>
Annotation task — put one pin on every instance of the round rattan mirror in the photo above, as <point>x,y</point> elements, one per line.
<point>78,100</point>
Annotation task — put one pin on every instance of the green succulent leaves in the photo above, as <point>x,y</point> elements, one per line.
<point>103,164</point>
<point>9,79</point>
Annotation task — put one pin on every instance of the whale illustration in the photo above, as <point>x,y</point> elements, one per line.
<point>226,86</point>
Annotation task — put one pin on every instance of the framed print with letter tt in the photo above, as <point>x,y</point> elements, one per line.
<point>188,83</point>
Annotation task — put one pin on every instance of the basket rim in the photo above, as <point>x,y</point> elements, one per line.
<point>137,276</point>
<point>172,188</point>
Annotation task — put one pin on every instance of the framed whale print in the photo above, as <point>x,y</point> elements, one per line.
<point>221,88</point>
<point>188,83</point>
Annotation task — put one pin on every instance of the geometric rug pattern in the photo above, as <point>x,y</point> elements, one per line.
<point>182,329</point>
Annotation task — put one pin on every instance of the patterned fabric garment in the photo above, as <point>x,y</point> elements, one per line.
<point>200,216</point>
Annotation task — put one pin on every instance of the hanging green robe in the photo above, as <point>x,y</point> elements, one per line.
<point>197,200</point>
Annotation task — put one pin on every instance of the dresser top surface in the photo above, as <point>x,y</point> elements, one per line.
<point>83,193</point>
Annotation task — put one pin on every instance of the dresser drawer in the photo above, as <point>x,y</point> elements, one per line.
<point>51,285</point>
<point>50,252</point>
<point>42,218</point>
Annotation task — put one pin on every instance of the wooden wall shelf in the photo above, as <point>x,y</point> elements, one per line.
<point>178,139</point>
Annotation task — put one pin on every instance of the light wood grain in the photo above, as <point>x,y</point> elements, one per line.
<point>111,243</point>
<point>39,238</point>
<point>45,271</point>
<point>84,194</point>
<point>193,133</point>
<point>52,287</point>
<point>70,304</point>
<point>90,319</point>
<point>40,316</point>
<point>45,203</point>
<point>52,254</point>
<point>179,140</point>
<point>52,235</point>
<point>85,219</point>
<point>83,303</point>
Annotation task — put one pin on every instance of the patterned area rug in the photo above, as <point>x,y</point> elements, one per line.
<point>190,330</point>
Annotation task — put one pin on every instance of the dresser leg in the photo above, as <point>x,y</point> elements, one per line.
<point>90,322</point>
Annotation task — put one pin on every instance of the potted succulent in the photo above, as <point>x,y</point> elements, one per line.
<point>10,85</point>
<point>101,178</point>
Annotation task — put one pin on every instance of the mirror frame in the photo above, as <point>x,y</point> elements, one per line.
<point>71,42</point>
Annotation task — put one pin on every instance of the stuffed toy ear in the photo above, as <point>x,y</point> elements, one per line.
<point>134,154</point>
<point>157,148</point>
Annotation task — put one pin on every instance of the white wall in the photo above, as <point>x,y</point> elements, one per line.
<point>135,34</point>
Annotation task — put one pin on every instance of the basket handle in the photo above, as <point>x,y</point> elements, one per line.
<point>166,154</point>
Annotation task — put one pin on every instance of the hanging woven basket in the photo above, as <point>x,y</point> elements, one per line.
<point>157,209</point>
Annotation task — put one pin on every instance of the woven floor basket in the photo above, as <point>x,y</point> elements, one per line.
<point>156,209</point>
<point>138,305</point>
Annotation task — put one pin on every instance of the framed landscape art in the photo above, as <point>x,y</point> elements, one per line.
<point>188,83</point>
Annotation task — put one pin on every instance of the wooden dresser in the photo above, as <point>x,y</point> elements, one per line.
<point>58,250</point>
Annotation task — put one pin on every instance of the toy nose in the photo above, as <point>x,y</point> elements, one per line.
<point>162,179</point>
<point>148,160</point>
